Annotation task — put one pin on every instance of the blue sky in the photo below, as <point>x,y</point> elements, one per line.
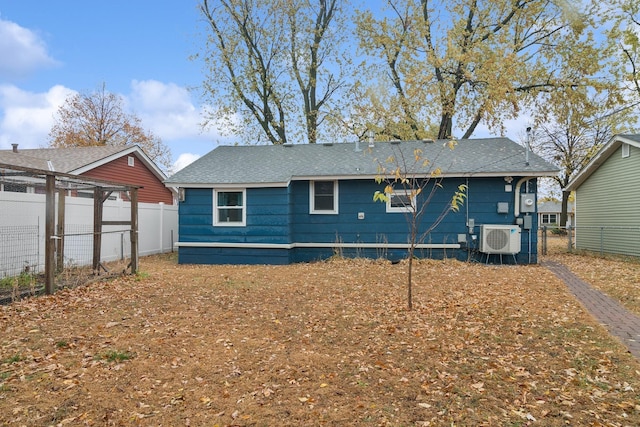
<point>139,48</point>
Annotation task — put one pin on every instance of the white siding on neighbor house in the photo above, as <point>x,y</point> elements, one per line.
<point>610,198</point>
<point>157,230</point>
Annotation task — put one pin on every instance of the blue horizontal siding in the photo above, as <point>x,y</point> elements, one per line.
<point>267,213</point>
<point>357,196</point>
<point>282,216</point>
<point>188,255</point>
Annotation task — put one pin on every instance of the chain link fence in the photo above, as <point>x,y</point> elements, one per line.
<point>603,239</point>
<point>22,254</point>
<point>33,223</point>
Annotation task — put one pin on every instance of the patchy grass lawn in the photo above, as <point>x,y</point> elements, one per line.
<point>314,344</point>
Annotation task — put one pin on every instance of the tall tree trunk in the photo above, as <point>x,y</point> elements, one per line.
<point>446,125</point>
<point>564,209</point>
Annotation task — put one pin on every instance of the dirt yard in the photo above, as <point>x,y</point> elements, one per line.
<point>328,343</point>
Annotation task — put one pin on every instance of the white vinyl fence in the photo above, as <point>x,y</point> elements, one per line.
<point>22,230</point>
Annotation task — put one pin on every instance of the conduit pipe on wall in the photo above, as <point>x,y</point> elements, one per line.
<point>516,202</point>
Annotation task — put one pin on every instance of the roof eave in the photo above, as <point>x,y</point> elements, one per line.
<point>605,152</point>
<point>372,177</point>
<point>225,184</point>
<point>127,150</point>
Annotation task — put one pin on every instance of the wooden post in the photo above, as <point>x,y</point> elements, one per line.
<point>134,230</point>
<point>97,228</point>
<point>60,231</point>
<point>49,228</point>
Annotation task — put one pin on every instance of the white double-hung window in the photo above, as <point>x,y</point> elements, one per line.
<point>229,207</point>
<point>323,197</point>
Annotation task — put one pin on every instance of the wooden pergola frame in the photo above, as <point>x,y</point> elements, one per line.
<point>54,239</point>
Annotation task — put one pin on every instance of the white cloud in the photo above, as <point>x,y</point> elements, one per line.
<point>167,110</point>
<point>184,159</point>
<point>21,51</point>
<point>27,117</point>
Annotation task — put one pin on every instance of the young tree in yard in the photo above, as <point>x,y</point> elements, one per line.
<point>411,180</point>
<point>97,118</point>
<point>464,62</point>
<point>274,67</point>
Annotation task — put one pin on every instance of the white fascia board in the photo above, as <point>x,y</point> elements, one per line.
<point>227,185</point>
<point>130,150</point>
<point>538,174</point>
<point>347,177</point>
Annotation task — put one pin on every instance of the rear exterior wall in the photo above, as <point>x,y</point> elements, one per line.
<point>279,221</point>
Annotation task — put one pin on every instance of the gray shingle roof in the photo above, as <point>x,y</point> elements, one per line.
<point>278,164</point>
<point>550,206</point>
<point>631,137</point>
<point>66,160</point>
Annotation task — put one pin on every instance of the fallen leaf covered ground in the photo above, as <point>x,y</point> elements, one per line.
<point>617,276</point>
<point>327,343</point>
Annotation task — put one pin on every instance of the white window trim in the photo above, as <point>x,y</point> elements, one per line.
<point>403,209</point>
<point>312,209</point>
<point>625,150</point>
<point>131,161</point>
<point>216,222</point>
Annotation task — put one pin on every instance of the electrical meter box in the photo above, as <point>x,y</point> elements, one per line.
<point>527,203</point>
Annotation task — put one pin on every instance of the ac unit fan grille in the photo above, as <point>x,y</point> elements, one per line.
<point>497,239</point>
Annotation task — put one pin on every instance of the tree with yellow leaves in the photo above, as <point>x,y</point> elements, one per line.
<point>97,118</point>
<point>451,65</point>
<point>410,181</point>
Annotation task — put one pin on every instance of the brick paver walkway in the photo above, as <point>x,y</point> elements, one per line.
<point>618,320</point>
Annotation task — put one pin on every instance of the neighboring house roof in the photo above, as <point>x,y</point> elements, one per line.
<point>550,206</point>
<point>601,156</point>
<point>74,160</point>
<point>280,164</point>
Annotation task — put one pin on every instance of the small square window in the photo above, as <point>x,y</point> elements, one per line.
<point>229,208</point>
<point>323,197</point>
<point>131,161</point>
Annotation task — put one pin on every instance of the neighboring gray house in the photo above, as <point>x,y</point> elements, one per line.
<point>607,215</point>
<point>549,213</point>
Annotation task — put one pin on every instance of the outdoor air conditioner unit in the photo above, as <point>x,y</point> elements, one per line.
<point>499,239</point>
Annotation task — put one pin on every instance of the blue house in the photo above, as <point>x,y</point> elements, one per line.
<point>280,204</point>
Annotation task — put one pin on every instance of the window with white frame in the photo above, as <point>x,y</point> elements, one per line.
<point>229,207</point>
<point>323,197</point>
<point>625,150</point>
<point>549,218</point>
<point>401,201</point>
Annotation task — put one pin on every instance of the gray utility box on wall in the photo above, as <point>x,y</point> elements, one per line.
<point>527,202</point>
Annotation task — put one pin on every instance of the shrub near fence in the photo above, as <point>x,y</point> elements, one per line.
<point>22,229</point>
